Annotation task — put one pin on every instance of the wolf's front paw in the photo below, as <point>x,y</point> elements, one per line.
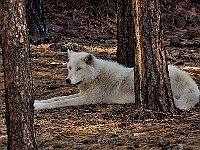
<point>38,105</point>
<point>37,101</point>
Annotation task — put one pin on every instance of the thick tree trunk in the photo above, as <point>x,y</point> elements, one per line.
<point>152,85</point>
<point>125,32</point>
<point>17,76</point>
<point>36,22</point>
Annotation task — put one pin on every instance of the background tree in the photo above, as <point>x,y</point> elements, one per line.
<point>152,85</point>
<point>36,22</point>
<point>0,22</point>
<point>17,76</point>
<point>125,32</point>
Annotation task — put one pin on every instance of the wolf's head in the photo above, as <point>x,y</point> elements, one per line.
<point>80,68</point>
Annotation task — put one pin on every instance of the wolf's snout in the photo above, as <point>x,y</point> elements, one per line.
<point>68,81</point>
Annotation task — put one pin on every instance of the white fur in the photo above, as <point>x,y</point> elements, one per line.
<point>184,89</point>
<point>103,81</point>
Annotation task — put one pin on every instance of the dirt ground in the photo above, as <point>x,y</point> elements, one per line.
<point>91,26</point>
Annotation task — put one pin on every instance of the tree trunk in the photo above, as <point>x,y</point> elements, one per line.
<point>152,85</point>
<point>125,32</point>
<point>1,23</point>
<point>36,22</point>
<point>17,76</point>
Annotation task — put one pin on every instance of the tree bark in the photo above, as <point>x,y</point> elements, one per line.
<point>36,22</point>
<point>152,84</point>
<point>125,32</point>
<point>1,23</point>
<point>17,76</point>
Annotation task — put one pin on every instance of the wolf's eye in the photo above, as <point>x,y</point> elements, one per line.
<point>79,68</point>
<point>70,68</point>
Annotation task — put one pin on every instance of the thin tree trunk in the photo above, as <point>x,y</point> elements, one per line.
<point>17,76</point>
<point>125,32</point>
<point>152,85</point>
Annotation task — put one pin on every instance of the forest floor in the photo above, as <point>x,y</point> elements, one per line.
<point>91,26</point>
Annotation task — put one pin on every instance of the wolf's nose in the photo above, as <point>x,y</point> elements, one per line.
<point>68,81</point>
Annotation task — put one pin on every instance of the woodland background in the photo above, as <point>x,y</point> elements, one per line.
<point>91,26</point>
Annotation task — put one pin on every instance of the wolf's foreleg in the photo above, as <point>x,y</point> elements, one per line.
<point>59,98</point>
<point>62,103</point>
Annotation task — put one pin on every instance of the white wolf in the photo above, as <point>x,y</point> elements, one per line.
<point>102,81</point>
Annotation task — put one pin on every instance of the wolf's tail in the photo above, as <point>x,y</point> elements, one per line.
<point>187,101</point>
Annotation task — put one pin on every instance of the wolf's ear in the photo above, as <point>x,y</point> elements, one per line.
<point>89,59</point>
<point>70,53</point>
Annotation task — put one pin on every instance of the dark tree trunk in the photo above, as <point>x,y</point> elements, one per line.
<point>125,32</point>
<point>36,22</point>
<point>17,76</point>
<point>0,24</point>
<point>152,85</point>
